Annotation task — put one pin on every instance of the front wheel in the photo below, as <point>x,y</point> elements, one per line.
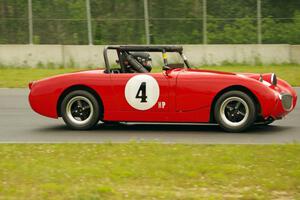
<point>235,111</point>
<point>80,110</point>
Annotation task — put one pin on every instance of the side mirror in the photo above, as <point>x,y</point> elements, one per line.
<point>176,65</point>
<point>166,70</point>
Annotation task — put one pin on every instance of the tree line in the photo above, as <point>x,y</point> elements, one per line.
<point>170,21</point>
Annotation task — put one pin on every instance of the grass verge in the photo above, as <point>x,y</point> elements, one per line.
<point>20,77</point>
<point>149,171</point>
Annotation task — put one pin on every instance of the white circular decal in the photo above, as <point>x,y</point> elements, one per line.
<point>142,92</point>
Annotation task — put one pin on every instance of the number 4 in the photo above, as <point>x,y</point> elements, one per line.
<point>141,93</point>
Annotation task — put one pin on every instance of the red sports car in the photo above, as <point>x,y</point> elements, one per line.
<point>179,94</point>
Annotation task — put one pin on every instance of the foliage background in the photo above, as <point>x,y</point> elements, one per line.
<point>171,21</point>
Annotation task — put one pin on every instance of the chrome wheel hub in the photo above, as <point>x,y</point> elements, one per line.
<point>234,111</point>
<point>79,110</point>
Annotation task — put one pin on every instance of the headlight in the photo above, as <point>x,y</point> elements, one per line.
<point>273,79</point>
<point>261,78</point>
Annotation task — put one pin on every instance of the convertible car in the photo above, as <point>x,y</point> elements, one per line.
<point>176,94</point>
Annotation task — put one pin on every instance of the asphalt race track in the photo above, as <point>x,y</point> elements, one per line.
<point>19,124</point>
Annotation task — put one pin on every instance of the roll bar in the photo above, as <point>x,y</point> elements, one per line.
<point>162,49</point>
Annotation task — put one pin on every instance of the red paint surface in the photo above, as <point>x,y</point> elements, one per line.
<point>188,94</point>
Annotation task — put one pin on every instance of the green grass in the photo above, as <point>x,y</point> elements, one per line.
<point>14,77</point>
<point>149,171</point>
<point>20,77</point>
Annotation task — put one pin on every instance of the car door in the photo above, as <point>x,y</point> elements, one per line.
<point>141,97</point>
<point>194,95</point>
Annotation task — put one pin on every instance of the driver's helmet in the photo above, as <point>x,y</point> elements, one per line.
<point>144,59</point>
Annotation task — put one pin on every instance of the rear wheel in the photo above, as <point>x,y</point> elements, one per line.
<point>80,110</point>
<point>235,111</point>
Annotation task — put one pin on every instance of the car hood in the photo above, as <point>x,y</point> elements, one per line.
<point>255,76</point>
<point>262,78</point>
<point>210,71</point>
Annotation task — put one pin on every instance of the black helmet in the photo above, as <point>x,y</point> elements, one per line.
<point>144,59</point>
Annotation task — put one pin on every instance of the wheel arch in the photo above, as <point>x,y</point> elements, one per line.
<point>79,87</point>
<point>231,88</point>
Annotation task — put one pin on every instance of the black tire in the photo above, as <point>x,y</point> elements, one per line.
<point>235,111</point>
<point>80,110</point>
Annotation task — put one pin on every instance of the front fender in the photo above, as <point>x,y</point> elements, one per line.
<point>266,96</point>
<point>43,97</point>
